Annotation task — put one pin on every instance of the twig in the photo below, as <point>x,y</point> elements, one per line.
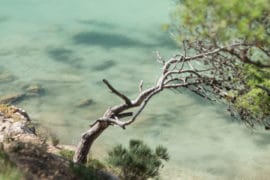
<point>123,115</point>
<point>141,86</point>
<point>159,58</point>
<point>141,107</point>
<point>122,96</point>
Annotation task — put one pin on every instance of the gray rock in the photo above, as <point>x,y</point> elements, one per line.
<point>34,90</point>
<point>6,77</point>
<point>14,122</point>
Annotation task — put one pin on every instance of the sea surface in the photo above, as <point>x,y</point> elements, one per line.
<point>68,47</point>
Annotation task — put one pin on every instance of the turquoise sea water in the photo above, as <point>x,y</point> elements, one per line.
<point>68,47</point>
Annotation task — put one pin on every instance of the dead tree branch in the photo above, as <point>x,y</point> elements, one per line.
<point>122,96</point>
<point>201,73</point>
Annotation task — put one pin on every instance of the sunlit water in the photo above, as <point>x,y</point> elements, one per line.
<point>68,47</point>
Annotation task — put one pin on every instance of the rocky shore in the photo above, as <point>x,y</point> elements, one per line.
<point>33,155</point>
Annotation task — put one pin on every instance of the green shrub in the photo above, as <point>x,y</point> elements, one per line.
<point>68,154</point>
<point>138,162</point>
<point>54,139</point>
<point>95,164</point>
<point>85,173</point>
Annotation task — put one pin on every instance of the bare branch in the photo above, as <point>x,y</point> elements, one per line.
<point>123,115</point>
<point>122,96</point>
<point>136,115</point>
<point>175,59</point>
<point>242,56</point>
<point>116,122</point>
<point>177,79</point>
<point>185,47</point>
<point>159,58</point>
<point>215,51</point>
<point>141,86</point>
<point>141,107</point>
<point>207,80</point>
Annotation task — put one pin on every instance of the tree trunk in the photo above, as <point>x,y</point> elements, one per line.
<point>87,140</point>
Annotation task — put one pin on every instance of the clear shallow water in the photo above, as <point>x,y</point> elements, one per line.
<point>69,47</point>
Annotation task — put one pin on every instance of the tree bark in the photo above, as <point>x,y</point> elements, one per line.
<point>87,140</point>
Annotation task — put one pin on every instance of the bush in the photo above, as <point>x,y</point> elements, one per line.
<point>138,162</point>
<point>95,164</point>
<point>54,139</point>
<point>89,171</point>
<point>68,154</point>
<point>85,173</point>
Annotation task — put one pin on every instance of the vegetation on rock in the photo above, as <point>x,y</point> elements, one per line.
<point>68,154</point>
<point>25,155</point>
<point>9,112</point>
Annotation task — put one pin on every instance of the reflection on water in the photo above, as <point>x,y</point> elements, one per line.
<point>67,48</point>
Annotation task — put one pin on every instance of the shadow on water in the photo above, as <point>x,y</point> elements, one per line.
<point>109,40</point>
<point>262,139</point>
<point>3,19</point>
<point>65,56</point>
<point>163,40</point>
<point>99,24</point>
<point>114,40</point>
<point>107,64</point>
<point>165,120</point>
<point>106,40</point>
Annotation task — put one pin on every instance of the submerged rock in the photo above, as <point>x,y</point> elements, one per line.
<point>84,103</point>
<point>34,90</point>
<point>30,91</point>
<point>12,98</point>
<point>66,56</point>
<point>6,77</point>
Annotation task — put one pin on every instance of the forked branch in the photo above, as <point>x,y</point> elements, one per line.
<point>201,73</point>
<point>122,96</point>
